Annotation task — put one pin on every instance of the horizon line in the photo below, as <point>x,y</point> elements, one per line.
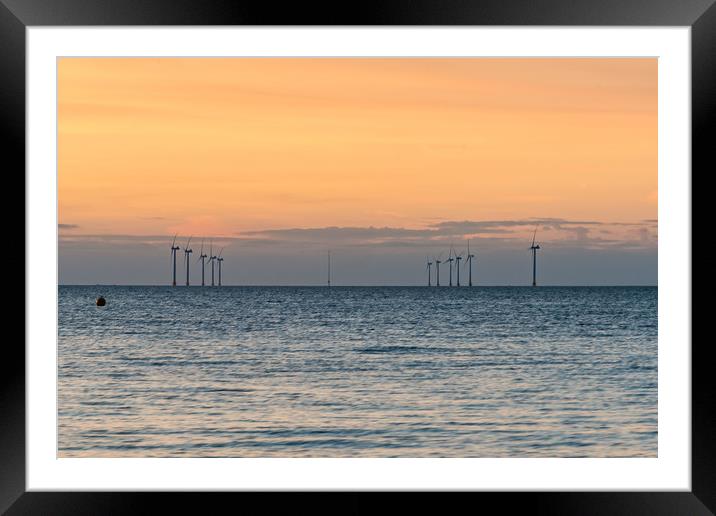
<point>323,285</point>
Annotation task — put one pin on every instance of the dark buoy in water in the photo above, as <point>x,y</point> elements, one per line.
<point>101,301</point>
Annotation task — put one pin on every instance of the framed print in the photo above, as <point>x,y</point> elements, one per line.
<point>435,249</point>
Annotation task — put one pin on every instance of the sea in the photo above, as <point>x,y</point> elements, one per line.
<point>357,372</point>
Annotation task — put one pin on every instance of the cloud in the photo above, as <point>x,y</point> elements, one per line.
<point>497,233</point>
<point>341,233</point>
<point>67,226</point>
<point>121,243</point>
<point>488,235</point>
<point>506,226</point>
<point>440,229</point>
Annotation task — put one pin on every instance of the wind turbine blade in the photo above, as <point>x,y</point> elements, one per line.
<point>202,247</point>
<point>187,243</point>
<point>220,251</point>
<point>533,237</point>
<point>175,240</point>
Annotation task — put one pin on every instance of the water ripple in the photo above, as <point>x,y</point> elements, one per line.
<point>357,372</point>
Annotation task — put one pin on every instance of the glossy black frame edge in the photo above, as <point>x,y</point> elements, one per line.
<point>16,15</point>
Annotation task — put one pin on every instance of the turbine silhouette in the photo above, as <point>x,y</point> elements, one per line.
<point>450,260</point>
<point>438,261</point>
<point>211,261</point>
<point>187,252</point>
<point>174,261</point>
<point>429,264</point>
<point>219,259</point>
<point>534,248</point>
<point>468,262</point>
<point>201,259</point>
<point>458,257</point>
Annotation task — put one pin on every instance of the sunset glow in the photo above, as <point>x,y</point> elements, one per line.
<point>220,146</point>
<point>404,156</point>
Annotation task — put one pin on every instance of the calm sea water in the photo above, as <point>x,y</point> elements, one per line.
<point>368,372</point>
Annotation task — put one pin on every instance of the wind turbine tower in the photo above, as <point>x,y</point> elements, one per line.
<point>175,248</point>
<point>437,270</point>
<point>450,260</point>
<point>187,252</point>
<point>211,261</point>
<point>202,256</point>
<point>329,268</point>
<point>219,259</point>
<point>534,248</point>
<point>458,257</point>
<point>429,264</point>
<point>468,262</point>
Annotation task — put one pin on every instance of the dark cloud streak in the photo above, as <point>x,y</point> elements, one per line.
<point>498,234</point>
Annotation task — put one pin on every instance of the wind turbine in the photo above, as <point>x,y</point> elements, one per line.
<point>438,261</point>
<point>427,268</point>
<point>201,258</point>
<point>468,262</point>
<point>219,259</point>
<point>211,261</point>
<point>450,259</point>
<point>174,262</point>
<point>187,252</point>
<point>458,257</point>
<point>329,268</point>
<point>534,248</point>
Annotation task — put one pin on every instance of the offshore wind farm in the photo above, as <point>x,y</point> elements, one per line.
<point>357,257</point>
<point>452,256</point>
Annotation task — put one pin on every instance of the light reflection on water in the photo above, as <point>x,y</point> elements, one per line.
<point>358,372</point>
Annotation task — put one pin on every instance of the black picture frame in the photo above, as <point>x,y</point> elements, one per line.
<point>17,15</point>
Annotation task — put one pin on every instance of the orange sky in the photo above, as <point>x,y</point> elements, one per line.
<point>221,146</point>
